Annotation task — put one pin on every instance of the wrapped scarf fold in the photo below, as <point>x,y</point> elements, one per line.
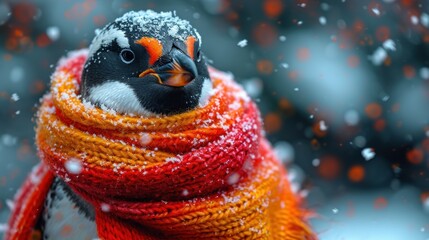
<point>207,173</point>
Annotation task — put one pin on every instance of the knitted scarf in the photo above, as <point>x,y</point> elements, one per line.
<point>207,173</point>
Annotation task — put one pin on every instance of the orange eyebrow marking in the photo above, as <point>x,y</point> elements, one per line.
<point>153,47</point>
<point>190,41</point>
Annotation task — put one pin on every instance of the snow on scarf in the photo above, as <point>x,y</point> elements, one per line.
<point>206,173</point>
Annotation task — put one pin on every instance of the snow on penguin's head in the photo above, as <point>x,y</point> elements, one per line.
<point>146,63</point>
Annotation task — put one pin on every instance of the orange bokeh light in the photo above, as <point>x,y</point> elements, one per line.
<point>415,156</point>
<point>265,66</point>
<point>356,173</point>
<point>373,110</point>
<point>273,8</point>
<point>272,122</point>
<point>329,167</point>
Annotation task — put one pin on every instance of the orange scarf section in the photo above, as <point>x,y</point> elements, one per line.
<point>207,173</point>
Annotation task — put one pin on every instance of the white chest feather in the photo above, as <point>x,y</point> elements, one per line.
<point>63,220</point>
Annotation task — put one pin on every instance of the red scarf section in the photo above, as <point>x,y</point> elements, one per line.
<point>207,173</point>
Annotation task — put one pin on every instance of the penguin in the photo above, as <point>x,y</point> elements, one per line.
<point>142,64</point>
<point>148,64</point>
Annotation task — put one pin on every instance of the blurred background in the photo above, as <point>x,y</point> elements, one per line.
<point>343,87</point>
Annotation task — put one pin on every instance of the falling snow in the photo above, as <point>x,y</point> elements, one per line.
<point>53,33</point>
<point>3,227</point>
<point>73,166</point>
<point>105,207</point>
<point>242,43</point>
<point>414,20</point>
<point>368,153</point>
<point>322,20</point>
<point>233,178</point>
<point>322,126</point>
<point>284,151</point>
<point>17,74</point>
<point>376,11</point>
<point>253,87</point>
<point>315,162</point>
<point>359,141</point>
<point>351,117</point>
<point>14,97</point>
<point>424,73</point>
<point>10,204</point>
<point>284,65</point>
<point>389,44</point>
<point>8,140</point>
<point>145,138</point>
<point>378,56</point>
<point>424,19</point>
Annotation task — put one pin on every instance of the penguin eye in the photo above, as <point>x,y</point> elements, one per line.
<point>127,56</point>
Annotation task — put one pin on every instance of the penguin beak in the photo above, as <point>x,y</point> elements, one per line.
<point>174,69</point>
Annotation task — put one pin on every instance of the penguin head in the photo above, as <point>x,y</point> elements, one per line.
<point>146,63</point>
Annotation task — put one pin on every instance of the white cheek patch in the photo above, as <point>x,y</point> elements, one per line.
<point>119,97</point>
<point>206,92</point>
